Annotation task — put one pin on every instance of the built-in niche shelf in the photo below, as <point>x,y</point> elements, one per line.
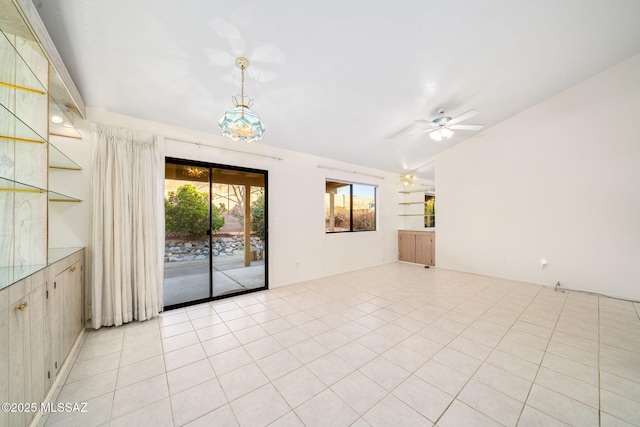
<point>426,202</point>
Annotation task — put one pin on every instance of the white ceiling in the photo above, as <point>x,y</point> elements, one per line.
<point>337,78</point>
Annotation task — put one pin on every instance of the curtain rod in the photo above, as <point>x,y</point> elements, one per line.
<point>348,171</point>
<point>199,144</point>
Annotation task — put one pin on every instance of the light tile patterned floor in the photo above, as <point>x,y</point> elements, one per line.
<point>394,345</point>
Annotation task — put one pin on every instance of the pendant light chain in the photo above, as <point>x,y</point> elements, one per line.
<point>242,89</point>
<point>242,84</point>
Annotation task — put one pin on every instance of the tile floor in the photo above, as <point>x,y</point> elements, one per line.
<point>394,345</point>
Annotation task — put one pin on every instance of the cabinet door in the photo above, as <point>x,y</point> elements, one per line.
<point>4,362</point>
<point>53,333</point>
<point>19,352</point>
<point>423,252</point>
<point>433,248</point>
<point>407,247</point>
<point>424,249</point>
<point>72,306</point>
<point>36,334</point>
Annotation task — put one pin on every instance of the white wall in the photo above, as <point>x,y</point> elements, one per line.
<point>299,249</point>
<point>559,181</point>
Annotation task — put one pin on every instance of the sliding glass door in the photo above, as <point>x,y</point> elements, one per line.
<point>215,231</point>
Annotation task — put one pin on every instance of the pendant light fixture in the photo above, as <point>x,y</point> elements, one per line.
<point>240,123</point>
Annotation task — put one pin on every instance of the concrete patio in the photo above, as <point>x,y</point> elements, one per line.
<point>189,280</point>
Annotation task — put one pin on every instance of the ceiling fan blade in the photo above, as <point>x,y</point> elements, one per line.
<point>417,127</point>
<point>466,127</point>
<point>462,117</point>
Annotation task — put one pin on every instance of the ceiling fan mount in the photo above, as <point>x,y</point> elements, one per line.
<point>442,120</point>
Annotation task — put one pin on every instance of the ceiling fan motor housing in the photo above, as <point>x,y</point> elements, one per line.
<point>441,121</point>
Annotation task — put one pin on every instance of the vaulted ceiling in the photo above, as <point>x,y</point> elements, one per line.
<point>338,78</point>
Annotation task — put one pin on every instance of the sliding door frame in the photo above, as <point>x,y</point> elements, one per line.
<point>211,167</point>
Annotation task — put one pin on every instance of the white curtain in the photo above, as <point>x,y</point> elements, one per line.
<point>128,226</point>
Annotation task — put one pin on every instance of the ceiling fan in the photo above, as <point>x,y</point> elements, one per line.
<point>441,127</point>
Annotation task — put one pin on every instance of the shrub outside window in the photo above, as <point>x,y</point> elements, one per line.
<point>349,207</point>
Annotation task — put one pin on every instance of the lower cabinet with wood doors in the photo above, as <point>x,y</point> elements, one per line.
<point>41,318</point>
<point>417,246</point>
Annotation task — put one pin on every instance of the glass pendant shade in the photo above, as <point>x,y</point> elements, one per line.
<point>241,124</point>
<point>441,133</point>
<point>446,133</point>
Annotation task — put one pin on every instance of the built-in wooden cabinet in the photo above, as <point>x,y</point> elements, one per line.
<point>41,289</point>
<point>40,321</point>
<point>417,246</point>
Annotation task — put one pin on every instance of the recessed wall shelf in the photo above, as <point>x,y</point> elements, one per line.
<point>422,197</point>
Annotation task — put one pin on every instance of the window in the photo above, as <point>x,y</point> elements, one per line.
<point>429,210</point>
<point>349,207</point>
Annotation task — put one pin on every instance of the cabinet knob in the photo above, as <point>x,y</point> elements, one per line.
<point>21,307</point>
<point>72,269</point>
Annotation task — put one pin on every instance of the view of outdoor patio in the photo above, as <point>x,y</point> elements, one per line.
<point>213,232</point>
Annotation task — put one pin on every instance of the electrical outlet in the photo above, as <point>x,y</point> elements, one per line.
<point>501,260</point>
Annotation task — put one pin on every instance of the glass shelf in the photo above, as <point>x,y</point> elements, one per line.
<point>61,121</point>
<point>22,132</point>
<point>418,190</point>
<point>412,203</point>
<point>13,25</point>
<point>22,76</point>
<point>8,185</point>
<point>58,160</point>
<point>59,197</point>
<point>13,274</point>
<point>56,254</point>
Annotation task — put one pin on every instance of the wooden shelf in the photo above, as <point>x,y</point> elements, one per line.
<point>417,190</point>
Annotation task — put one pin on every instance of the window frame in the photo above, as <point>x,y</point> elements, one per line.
<point>350,184</point>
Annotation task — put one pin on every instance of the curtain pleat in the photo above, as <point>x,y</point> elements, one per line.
<point>127,226</point>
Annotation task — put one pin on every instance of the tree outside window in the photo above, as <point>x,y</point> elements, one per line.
<point>349,207</point>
